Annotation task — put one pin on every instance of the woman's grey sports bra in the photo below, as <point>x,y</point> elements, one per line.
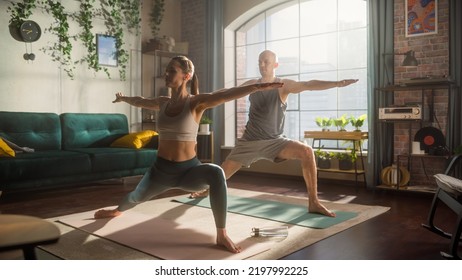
<point>181,127</point>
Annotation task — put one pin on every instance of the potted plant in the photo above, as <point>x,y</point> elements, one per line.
<point>323,158</point>
<point>155,19</point>
<point>358,122</point>
<point>324,123</point>
<point>341,123</point>
<point>204,125</point>
<point>345,160</point>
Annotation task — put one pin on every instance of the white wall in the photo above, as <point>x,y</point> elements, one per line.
<point>41,86</point>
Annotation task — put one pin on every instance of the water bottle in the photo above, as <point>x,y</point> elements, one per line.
<point>281,231</point>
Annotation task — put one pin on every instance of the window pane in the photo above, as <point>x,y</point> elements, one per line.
<point>355,95</point>
<point>353,46</point>
<point>252,32</point>
<point>288,55</point>
<point>292,125</point>
<point>247,61</point>
<point>352,14</point>
<point>318,16</point>
<point>319,53</point>
<point>282,21</point>
<point>322,99</point>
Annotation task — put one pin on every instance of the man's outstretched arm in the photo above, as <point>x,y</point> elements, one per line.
<point>291,86</point>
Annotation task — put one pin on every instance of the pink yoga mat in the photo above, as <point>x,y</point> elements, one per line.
<point>165,239</point>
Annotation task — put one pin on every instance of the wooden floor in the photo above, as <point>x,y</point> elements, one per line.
<point>395,235</point>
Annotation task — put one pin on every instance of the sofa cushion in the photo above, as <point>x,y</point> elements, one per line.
<point>86,130</point>
<point>40,131</point>
<point>5,150</point>
<point>134,140</point>
<point>113,159</point>
<point>43,164</point>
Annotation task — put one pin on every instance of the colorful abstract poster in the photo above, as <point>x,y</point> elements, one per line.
<point>421,17</point>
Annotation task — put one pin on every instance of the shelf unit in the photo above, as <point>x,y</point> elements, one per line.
<point>355,136</point>
<point>154,64</point>
<point>205,147</point>
<point>424,86</point>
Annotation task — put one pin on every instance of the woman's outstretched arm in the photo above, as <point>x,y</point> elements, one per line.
<point>139,101</point>
<point>206,101</point>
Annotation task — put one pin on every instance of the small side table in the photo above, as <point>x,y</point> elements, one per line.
<point>25,233</point>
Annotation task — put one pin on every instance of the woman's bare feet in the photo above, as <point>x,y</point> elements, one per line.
<point>317,207</point>
<point>104,213</point>
<point>203,193</point>
<point>225,241</point>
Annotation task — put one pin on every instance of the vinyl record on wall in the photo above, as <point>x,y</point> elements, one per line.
<point>429,137</point>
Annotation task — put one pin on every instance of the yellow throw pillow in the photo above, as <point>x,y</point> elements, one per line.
<point>5,150</point>
<point>135,140</point>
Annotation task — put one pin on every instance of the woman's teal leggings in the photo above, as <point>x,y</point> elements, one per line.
<point>191,176</point>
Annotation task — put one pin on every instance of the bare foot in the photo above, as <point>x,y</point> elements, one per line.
<point>203,193</point>
<point>225,241</point>
<point>104,213</point>
<point>317,207</point>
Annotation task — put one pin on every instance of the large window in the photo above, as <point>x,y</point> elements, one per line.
<point>314,39</point>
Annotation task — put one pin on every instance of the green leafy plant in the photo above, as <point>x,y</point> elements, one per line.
<point>85,20</point>
<point>20,11</point>
<point>117,14</point>
<point>324,155</point>
<point>61,49</point>
<point>358,122</point>
<point>345,160</point>
<point>349,154</point>
<point>156,16</point>
<point>206,120</point>
<point>341,122</point>
<point>323,158</point>
<point>324,123</point>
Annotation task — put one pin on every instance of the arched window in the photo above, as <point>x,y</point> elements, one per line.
<point>314,39</point>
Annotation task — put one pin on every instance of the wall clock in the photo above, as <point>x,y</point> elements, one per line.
<point>30,31</point>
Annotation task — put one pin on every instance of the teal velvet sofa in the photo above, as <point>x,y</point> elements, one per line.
<point>69,149</point>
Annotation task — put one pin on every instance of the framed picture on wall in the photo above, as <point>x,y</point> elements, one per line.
<point>421,17</point>
<point>106,50</point>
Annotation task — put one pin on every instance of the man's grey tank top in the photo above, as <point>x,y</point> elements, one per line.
<point>266,115</point>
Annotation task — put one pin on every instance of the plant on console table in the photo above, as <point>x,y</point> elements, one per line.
<point>341,123</point>
<point>323,158</point>
<point>358,122</point>
<point>346,159</point>
<point>324,123</point>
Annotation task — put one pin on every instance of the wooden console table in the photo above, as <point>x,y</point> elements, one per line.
<point>355,136</point>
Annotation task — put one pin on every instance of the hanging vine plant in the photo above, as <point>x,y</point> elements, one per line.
<point>60,51</point>
<point>113,18</point>
<point>19,12</point>
<point>156,16</point>
<point>116,14</point>
<point>132,18</point>
<point>85,20</point>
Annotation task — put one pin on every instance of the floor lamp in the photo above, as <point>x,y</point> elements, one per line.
<point>409,60</point>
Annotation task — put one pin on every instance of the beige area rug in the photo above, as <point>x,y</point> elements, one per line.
<point>162,229</point>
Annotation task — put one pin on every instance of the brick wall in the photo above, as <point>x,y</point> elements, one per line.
<point>432,52</point>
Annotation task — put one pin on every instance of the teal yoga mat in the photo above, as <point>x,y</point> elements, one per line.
<point>276,211</point>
